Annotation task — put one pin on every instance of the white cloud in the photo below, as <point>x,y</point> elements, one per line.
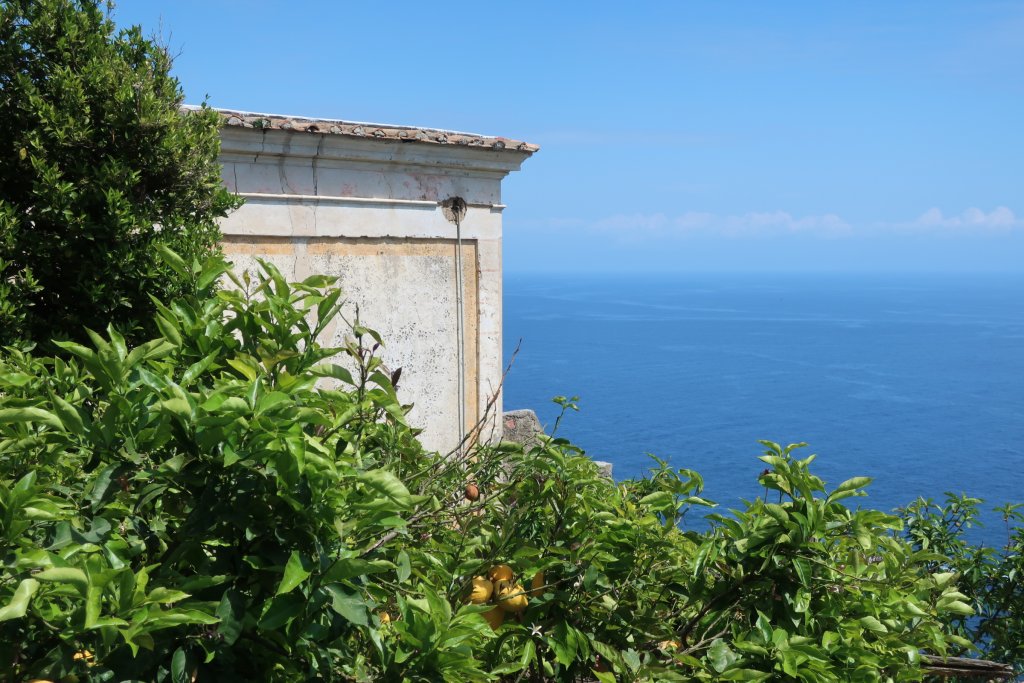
<point>733,225</point>
<point>644,226</point>
<point>999,219</point>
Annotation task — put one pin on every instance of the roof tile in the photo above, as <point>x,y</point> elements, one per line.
<point>380,131</point>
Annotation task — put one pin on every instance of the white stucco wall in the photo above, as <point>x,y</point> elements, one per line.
<point>368,210</point>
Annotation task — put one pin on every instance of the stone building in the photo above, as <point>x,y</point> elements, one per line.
<point>409,220</point>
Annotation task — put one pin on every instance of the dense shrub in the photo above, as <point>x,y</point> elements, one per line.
<point>231,501</point>
<point>992,578</point>
<point>97,167</point>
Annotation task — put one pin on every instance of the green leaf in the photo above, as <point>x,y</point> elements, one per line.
<point>75,577</point>
<point>956,607</point>
<point>83,352</point>
<point>745,675</point>
<point>199,367</point>
<point>294,574</point>
<point>720,655</point>
<point>102,483</point>
<point>15,379</point>
<point>177,407</point>
<point>659,500</point>
<point>212,269</point>
<point>21,415</point>
<point>849,487</point>
<point>872,624</point>
<point>179,667</point>
<point>351,567</point>
<point>349,606</point>
<point>93,603</point>
<point>231,456</point>
<point>168,256</point>
<point>281,610</point>
<point>231,612</point>
<point>169,330</point>
<point>69,417</point>
<point>529,655</point>
<point>18,605</point>
<point>179,617</point>
<point>404,567</point>
<point>387,484</point>
<point>247,370</point>
<point>563,642</point>
<point>166,595</point>
<point>334,371</point>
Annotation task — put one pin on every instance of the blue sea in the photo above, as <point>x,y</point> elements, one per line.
<point>914,380</point>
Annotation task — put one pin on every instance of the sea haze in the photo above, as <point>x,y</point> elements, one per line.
<point>916,381</point>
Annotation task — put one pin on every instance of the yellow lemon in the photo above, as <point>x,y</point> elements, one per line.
<point>537,585</point>
<point>500,572</point>
<point>512,598</point>
<point>481,591</point>
<point>385,618</point>
<point>495,617</point>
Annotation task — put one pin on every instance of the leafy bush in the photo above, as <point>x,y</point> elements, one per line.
<point>98,167</point>
<point>991,578</point>
<point>232,501</point>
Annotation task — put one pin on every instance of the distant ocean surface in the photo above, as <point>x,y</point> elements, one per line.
<point>916,381</point>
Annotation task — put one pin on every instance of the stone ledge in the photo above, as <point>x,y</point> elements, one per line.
<point>523,426</point>
<point>380,131</point>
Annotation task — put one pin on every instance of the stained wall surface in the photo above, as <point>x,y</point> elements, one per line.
<point>369,211</point>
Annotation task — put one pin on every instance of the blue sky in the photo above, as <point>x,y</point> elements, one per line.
<point>676,136</point>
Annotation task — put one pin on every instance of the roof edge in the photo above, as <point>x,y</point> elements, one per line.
<point>412,134</point>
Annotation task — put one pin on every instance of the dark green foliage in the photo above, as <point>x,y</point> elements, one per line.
<point>198,502</point>
<point>98,166</point>
<point>204,503</point>
<point>992,579</point>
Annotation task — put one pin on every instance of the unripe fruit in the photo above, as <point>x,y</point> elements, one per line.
<point>481,591</point>
<point>500,572</point>
<point>472,492</point>
<point>537,585</point>
<point>511,597</point>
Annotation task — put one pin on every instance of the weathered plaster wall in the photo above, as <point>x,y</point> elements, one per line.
<point>368,210</point>
<point>404,289</point>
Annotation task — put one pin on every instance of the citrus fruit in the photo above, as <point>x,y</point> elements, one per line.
<point>537,585</point>
<point>481,591</point>
<point>511,597</point>
<point>500,572</point>
<point>495,617</point>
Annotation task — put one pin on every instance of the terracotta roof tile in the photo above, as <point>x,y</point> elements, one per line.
<point>244,119</point>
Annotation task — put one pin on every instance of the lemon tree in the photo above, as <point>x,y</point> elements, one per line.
<point>232,501</point>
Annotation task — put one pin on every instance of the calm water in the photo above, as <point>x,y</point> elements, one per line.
<point>917,381</point>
